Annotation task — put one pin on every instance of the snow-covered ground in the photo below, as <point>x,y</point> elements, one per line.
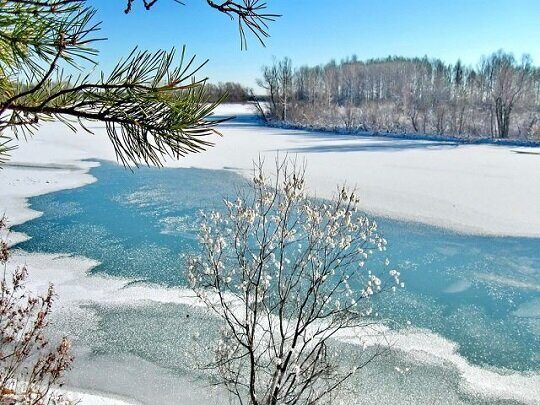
<point>81,398</point>
<point>483,189</point>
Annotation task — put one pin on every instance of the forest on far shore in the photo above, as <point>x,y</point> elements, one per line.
<point>499,98</point>
<point>230,92</point>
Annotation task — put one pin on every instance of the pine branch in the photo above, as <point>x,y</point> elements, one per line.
<point>151,104</point>
<point>151,107</point>
<point>5,148</point>
<point>45,3</point>
<point>250,14</point>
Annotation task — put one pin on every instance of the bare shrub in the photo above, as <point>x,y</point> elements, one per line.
<point>30,366</point>
<point>287,275</point>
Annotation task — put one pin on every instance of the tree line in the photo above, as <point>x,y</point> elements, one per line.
<point>498,98</point>
<point>230,92</point>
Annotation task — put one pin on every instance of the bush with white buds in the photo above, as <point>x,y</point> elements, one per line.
<point>287,274</point>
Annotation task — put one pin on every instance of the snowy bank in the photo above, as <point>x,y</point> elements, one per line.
<point>480,189</point>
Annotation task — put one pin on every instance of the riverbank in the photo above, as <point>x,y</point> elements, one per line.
<point>55,160</point>
<point>476,189</point>
<point>464,140</point>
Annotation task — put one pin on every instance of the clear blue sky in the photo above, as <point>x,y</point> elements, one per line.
<point>316,31</point>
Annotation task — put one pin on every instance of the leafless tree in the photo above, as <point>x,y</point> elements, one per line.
<point>277,80</point>
<point>507,81</point>
<point>270,82</point>
<point>287,275</point>
<point>285,75</point>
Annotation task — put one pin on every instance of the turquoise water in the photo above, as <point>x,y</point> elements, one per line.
<point>480,292</point>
